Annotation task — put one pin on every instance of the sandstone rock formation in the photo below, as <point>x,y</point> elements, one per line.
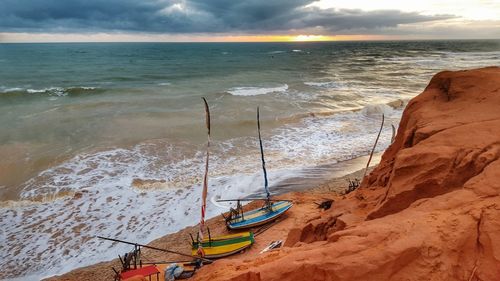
<point>429,211</point>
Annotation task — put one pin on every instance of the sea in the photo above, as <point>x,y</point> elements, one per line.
<point>109,139</point>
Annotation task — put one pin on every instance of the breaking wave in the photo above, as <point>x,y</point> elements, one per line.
<point>50,91</point>
<point>327,84</point>
<point>254,91</point>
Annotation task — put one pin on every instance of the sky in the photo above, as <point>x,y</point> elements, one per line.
<point>246,20</point>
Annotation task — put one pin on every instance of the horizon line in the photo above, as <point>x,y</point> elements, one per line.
<point>270,41</point>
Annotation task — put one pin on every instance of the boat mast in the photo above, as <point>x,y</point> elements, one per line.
<point>205,183</point>
<point>266,183</point>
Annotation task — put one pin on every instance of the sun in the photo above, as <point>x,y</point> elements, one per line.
<point>305,38</point>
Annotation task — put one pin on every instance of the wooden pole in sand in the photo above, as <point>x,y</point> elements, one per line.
<point>393,133</point>
<point>374,145</point>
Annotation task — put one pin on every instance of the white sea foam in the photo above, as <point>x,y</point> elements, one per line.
<point>254,91</point>
<point>378,109</point>
<point>164,84</point>
<point>327,84</point>
<point>296,50</point>
<point>54,91</point>
<point>58,91</point>
<point>9,90</point>
<point>276,52</point>
<point>337,137</point>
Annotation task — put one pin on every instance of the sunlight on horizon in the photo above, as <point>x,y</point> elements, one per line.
<point>304,38</point>
<point>130,37</point>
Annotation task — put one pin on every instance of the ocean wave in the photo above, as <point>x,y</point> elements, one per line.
<point>254,91</point>
<point>164,84</point>
<point>373,110</point>
<point>391,109</point>
<point>10,90</point>
<point>51,91</point>
<point>276,52</point>
<point>297,51</point>
<point>327,84</point>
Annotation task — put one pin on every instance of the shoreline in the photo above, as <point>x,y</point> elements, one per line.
<point>179,241</point>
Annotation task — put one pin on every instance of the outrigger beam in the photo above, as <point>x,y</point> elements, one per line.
<point>153,248</point>
<point>253,199</point>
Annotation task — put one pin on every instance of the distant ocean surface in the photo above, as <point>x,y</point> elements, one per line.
<point>109,138</point>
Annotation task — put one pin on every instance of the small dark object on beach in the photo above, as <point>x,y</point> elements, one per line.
<point>325,205</point>
<point>353,184</point>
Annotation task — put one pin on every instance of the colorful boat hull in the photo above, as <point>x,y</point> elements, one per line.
<point>259,216</point>
<point>222,246</point>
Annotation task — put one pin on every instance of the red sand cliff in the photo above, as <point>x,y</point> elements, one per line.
<point>429,211</point>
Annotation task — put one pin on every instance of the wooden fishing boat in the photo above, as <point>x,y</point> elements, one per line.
<point>272,209</point>
<point>259,216</point>
<point>220,246</point>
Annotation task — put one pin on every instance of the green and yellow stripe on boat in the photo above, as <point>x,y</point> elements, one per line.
<point>221,246</point>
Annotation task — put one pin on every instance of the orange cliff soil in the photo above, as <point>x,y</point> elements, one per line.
<point>429,211</point>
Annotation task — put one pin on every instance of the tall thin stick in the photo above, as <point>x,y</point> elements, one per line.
<point>266,183</point>
<point>374,145</point>
<point>393,137</point>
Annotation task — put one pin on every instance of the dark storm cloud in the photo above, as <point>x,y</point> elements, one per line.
<point>191,16</point>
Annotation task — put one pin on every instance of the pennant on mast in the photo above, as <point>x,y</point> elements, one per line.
<point>205,184</point>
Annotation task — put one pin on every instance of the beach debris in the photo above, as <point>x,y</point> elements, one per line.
<point>130,258</point>
<point>273,245</point>
<point>237,219</point>
<point>179,269</point>
<point>353,184</point>
<point>374,145</point>
<point>325,205</point>
<point>173,271</point>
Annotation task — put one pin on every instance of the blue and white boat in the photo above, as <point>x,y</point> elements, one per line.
<point>271,210</point>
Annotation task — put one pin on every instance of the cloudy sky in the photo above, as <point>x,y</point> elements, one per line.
<point>246,20</point>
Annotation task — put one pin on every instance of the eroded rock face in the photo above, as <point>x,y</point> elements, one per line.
<point>448,135</point>
<point>429,211</point>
